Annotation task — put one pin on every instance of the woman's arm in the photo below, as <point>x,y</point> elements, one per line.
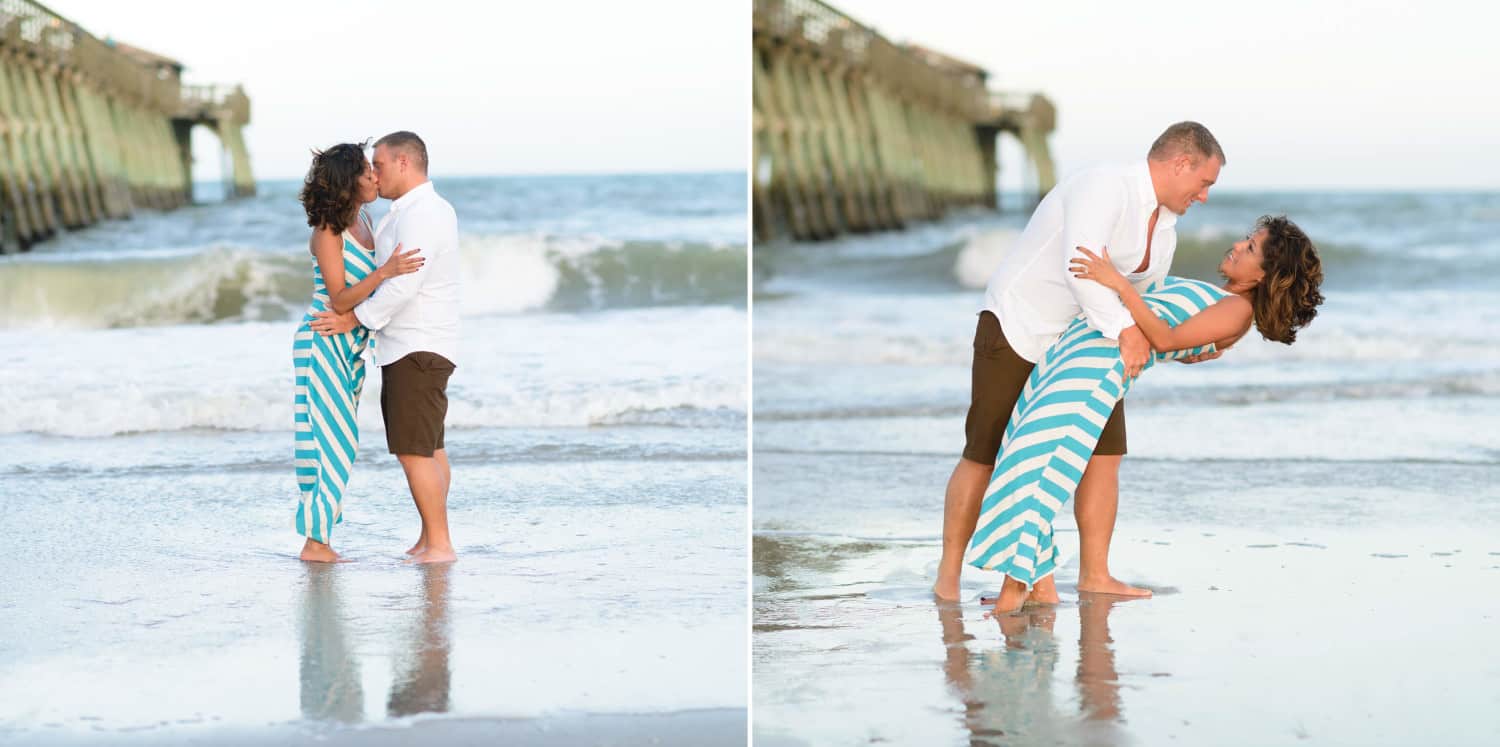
<point>328,247</point>
<point>1226,319</point>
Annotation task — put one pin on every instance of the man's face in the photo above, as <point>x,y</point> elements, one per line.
<point>1190,181</point>
<point>387,171</point>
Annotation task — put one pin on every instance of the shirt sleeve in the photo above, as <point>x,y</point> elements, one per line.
<point>1091,210</point>
<point>418,229</point>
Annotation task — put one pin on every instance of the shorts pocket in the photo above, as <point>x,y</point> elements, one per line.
<point>432,363</point>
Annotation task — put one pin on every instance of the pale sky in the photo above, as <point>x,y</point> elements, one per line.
<point>565,86</point>
<point>1300,94</point>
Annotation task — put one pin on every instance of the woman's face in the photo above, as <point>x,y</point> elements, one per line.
<point>368,189</point>
<point>1241,264</point>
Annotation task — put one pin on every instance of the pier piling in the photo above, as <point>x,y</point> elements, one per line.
<point>855,133</point>
<point>94,129</point>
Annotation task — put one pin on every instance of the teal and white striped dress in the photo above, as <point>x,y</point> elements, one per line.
<point>1053,431</point>
<point>329,377</point>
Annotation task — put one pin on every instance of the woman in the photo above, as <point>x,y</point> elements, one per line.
<point>1271,280</point>
<point>329,370</point>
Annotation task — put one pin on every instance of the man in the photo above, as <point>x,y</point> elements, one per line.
<point>1032,297</point>
<point>415,321</point>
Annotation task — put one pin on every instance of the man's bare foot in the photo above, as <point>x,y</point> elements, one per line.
<point>317,552</point>
<point>431,555</point>
<point>1111,585</point>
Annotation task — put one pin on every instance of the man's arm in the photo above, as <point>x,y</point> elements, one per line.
<point>1090,213</point>
<point>416,229</point>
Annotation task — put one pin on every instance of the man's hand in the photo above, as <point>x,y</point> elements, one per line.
<point>328,323</point>
<point>1134,350</point>
<point>1201,357</point>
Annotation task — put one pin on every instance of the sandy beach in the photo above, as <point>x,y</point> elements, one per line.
<point>700,727</point>
<point>1363,631</point>
<point>170,605</point>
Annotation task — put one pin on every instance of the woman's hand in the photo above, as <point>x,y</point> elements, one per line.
<point>1097,268</point>
<point>400,264</point>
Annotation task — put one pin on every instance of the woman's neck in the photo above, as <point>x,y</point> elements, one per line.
<point>1239,289</point>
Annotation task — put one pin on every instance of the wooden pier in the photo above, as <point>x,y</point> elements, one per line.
<point>91,129</point>
<point>854,133</point>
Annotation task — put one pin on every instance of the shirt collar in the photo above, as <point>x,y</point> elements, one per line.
<point>1146,194</point>
<point>411,196</point>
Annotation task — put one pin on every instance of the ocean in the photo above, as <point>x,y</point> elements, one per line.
<point>1317,520</point>
<point>597,429</point>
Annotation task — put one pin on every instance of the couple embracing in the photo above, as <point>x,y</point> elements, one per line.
<point>370,291</point>
<point>1076,310</point>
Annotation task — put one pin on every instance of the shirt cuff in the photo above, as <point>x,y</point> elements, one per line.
<point>1113,328</point>
<point>360,317</point>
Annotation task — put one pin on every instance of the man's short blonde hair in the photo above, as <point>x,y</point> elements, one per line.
<point>408,143</point>
<point>1187,137</point>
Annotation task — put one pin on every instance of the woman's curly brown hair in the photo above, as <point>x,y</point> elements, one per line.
<point>330,193</point>
<point>1287,298</point>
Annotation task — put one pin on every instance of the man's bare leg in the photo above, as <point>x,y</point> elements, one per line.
<point>1094,507</point>
<point>314,551</point>
<point>960,515</point>
<point>442,456</point>
<point>428,480</point>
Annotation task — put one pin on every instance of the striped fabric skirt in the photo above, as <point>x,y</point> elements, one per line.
<point>1053,430</point>
<point>330,374</point>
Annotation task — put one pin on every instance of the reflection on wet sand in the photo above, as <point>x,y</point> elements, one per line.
<point>330,673</point>
<point>1098,682</point>
<point>1007,692</point>
<point>330,680</point>
<point>423,678</point>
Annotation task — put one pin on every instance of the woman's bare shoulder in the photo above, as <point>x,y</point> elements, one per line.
<point>324,239</point>
<point>1236,302</point>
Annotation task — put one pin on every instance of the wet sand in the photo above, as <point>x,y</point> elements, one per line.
<point>709,728</point>
<point>1315,603</point>
<point>164,603</point>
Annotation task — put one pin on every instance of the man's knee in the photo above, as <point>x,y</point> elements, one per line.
<point>415,460</point>
<point>971,473</point>
<point>1104,462</point>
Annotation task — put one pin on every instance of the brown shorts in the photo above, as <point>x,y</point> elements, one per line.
<point>999,375</point>
<point>414,401</point>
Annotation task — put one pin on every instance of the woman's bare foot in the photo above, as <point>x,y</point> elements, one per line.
<point>1111,585</point>
<point>1012,597</point>
<point>1044,592</point>
<point>433,555</point>
<point>314,551</point>
<point>418,548</point>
